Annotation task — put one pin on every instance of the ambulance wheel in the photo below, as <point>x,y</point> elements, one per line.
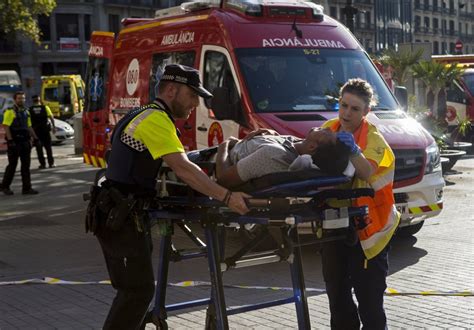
<point>410,230</point>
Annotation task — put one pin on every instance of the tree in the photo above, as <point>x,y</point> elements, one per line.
<point>21,16</point>
<point>436,77</point>
<point>401,63</point>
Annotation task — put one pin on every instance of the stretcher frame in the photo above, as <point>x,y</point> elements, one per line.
<point>266,204</point>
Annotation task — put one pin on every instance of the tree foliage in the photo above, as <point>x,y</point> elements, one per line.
<point>401,62</point>
<point>20,16</point>
<point>437,76</point>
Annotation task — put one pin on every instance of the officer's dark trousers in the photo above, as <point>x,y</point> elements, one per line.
<point>22,151</point>
<point>127,254</point>
<point>343,269</point>
<point>45,141</point>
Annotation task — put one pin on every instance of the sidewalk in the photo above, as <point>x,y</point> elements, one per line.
<point>43,236</point>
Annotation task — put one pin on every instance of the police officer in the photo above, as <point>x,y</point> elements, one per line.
<point>42,121</point>
<point>18,133</point>
<point>141,141</point>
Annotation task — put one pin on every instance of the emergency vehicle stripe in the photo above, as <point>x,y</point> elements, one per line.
<point>103,33</point>
<point>374,244</point>
<point>426,208</point>
<point>86,158</point>
<point>94,162</point>
<point>101,162</point>
<point>164,22</point>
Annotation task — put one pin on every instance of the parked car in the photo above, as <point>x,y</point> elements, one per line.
<point>64,132</point>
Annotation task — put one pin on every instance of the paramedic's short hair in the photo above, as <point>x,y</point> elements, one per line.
<point>332,158</point>
<point>360,88</point>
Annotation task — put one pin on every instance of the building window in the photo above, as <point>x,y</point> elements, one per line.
<point>87,27</point>
<point>452,48</point>
<point>435,47</point>
<point>367,19</point>
<point>443,48</point>
<point>451,27</point>
<point>417,23</point>
<point>427,24</point>
<point>114,23</point>
<point>333,12</point>
<point>67,26</point>
<point>45,28</point>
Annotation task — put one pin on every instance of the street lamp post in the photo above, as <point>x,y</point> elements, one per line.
<point>350,11</point>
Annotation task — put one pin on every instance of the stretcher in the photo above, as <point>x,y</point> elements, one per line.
<point>281,201</point>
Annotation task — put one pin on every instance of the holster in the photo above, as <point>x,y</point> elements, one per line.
<point>122,207</point>
<point>93,213</point>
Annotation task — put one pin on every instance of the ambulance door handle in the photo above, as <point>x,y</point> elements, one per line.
<point>187,126</point>
<point>202,128</point>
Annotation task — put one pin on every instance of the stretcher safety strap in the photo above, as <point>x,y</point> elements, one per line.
<point>186,284</point>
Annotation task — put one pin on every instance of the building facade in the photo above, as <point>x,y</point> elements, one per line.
<point>380,24</point>
<point>65,38</point>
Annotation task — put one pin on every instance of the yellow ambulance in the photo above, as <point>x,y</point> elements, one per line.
<point>64,94</point>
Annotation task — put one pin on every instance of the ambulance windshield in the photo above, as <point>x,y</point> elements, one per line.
<point>286,80</point>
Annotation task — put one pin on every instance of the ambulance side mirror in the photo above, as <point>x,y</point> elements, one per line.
<point>225,108</point>
<point>402,96</point>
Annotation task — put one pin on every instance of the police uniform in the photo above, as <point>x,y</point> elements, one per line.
<point>40,115</point>
<point>364,266</point>
<point>19,121</point>
<point>117,213</point>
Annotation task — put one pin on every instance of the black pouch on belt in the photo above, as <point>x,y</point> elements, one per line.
<point>121,209</point>
<point>93,213</point>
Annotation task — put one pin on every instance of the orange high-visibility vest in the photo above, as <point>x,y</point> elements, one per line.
<point>383,216</point>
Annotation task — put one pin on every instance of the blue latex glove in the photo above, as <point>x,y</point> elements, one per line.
<point>348,139</point>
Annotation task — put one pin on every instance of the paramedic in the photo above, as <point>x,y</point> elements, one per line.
<point>364,266</point>
<point>264,151</point>
<point>42,121</point>
<point>141,141</point>
<point>18,132</point>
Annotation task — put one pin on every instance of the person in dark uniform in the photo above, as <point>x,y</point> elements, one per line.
<point>141,141</point>
<point>18,132</point>
<point>42,121</point>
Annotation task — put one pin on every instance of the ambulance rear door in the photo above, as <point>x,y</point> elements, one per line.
<point>95,119</point>
<point>218,72</point>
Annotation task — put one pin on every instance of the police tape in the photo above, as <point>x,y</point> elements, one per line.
<point>187,284</point>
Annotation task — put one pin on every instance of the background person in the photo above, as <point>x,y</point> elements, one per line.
<point>264,151</point>
<point>42,121</point>
<point>18,132</point>
<point>364,266</point>
<point>141,141</point>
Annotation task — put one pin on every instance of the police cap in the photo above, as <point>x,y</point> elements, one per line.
<point>185,75</point>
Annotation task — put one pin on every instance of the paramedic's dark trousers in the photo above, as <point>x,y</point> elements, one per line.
<point>22,151</point>
<point>127,254</point>
<point>343,269</point>
<point>45,139</point>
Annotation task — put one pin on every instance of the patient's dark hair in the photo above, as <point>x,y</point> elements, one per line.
<point>332,158</point>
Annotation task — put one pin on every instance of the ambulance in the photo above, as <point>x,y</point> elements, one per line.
<point>268,64</point>
<point>64,94</point>
<point>460,94</point>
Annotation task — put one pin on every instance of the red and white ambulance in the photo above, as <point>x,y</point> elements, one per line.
<point>268,64</point>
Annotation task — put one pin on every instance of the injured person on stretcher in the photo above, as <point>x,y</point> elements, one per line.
<point>264,152</point>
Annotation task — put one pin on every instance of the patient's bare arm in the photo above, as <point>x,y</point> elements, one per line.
<point>261,131</point>
<point>226,173</point>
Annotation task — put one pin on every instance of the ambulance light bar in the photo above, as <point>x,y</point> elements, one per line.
<point>198,5</point>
